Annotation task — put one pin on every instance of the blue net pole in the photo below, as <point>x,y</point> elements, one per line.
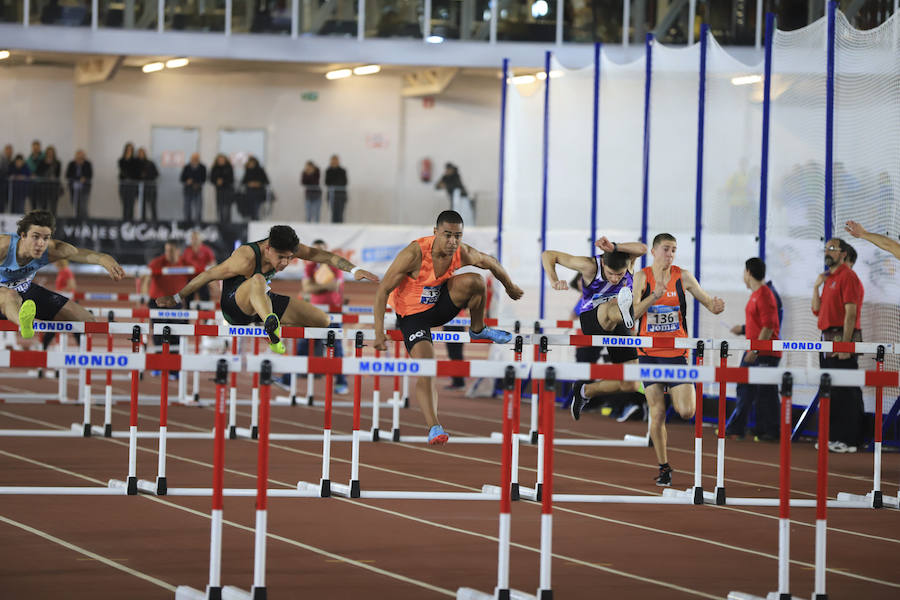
<point>829,124</point>
<point>698,212</point>
<point>503,85</point>
<point>645,199</point>
<point>764,161</point>
<point>546,153</point>
<point>594,144</point>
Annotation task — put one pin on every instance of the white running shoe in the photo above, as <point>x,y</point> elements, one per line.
<point>624,299</point>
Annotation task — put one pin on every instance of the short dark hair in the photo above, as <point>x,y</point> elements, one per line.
<point>176,242</point>
<point>283,238</point>
<point>36,218</point>
<point>756,267</point>
<point>851,253</point>
<point>449,216</point>
<point>663,237</point>
<point>615,260</point>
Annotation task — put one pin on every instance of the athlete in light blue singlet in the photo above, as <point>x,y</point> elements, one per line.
<point>27,251</point>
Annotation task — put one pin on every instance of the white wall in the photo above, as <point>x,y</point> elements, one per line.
<point>462,127</point>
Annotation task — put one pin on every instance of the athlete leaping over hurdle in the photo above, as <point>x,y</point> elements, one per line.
<point>30,249</point>
<point>425,293</point>
<point>245,289</point>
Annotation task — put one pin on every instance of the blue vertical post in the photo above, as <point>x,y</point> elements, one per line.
<point>829,124</point>
<point>595,155</point>
<point>698,210</point>
<point>764,160</point>
<point>546,152</point>
<point>645,195</point>
<point>504,82</point>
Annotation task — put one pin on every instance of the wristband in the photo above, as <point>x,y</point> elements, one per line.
<point>615,247</point>
<point>177,297</point>
<point>354,270</point>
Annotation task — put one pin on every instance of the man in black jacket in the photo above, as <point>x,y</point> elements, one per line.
<point>79,173</point>
<point>336,181</point>
<point>193,176</point>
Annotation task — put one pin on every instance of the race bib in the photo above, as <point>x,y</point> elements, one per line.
<point>20,285</point>
<point>662,319</point>
<point>430,294</point>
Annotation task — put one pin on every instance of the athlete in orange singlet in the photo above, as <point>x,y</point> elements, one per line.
<point>425,293</point>
<point>667,318</point>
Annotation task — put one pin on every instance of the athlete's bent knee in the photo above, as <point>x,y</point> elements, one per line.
<point>686,412</point>
<point>257,280</point>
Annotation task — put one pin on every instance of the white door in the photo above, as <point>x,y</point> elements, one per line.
<point>171,149</point>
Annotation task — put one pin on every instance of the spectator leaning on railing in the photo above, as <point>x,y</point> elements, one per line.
<point>336,180</point>
<point>312,191</point>
<point>79,173</point>
<point>19,182</point>
<point>255,181</point>
<point>193,176</point>
<point>129,178</point>
<point>36,156</point>
<point>222,177</point>
<point>148,176</point>
<point>46,188</point>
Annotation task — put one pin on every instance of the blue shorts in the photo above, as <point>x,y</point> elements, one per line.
<point>664,360</point>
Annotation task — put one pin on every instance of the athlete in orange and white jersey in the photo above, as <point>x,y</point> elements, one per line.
<point>425,293</point>
<point>666,318</point>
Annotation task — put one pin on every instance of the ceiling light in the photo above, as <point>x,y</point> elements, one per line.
<point>522,79</point>
<point>367,70</point>
<point>4,54</point>
<point>153,67</point>
<point>338,74</point>
<point>177,63</point>
<point>540,9</point>
<point>435,39</point>
<point>746,79</point>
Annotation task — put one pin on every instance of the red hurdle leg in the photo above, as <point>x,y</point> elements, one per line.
<point>822,487</point>
<point>698,434</point>
<point>254,398</point>
<point>86,391</point>
<point>258,590</point>
<point>107,405</point>
<point>784,491</point>
<point>131,482</point>
<point>325,482</point>
<point>545,590</point>
<point>516,416</point>
<point>720,450</point>
<point>214,589</point>
<point>161,485</point>
<point>505,481</point>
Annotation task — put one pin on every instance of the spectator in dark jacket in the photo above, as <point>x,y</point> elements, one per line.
<point>129,178</point>
<point>222,176</point>
<point>36,156</point>
<point>149,175</point>
<point>336,181</point>
<point>46,188</point>
<point>19,180</point>
<point>79,173</point>
<point>310,178</point>
<point>451,181</point>
<point>193,176</point>
<point>255,181</point>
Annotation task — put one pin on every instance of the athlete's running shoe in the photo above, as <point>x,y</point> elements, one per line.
<point>498,336</point>
<point>26,319</point>
<point>664,479</point>
<point>437,436</point>
<point>578,402</point>
<point>624,300</point>
<point>272,327</point>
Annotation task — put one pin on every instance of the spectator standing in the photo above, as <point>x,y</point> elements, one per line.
<point>158,284</point>
<point>129,178</point>
<point>193,176</point>
<point>325,285</point>
<point>79,173</point>
<point>451,181</point>
<point>310,178</point>
<point>201,257</point>
<point>838,308</point>
<point>148,177</point>
<point>46,188</point>
<point>36,157</point>
<point>761,322</point>
<point>255,181</point>
<point>6,160</point>
<point>222,177</point>
<point>19,181</point>
<point>336,181</point>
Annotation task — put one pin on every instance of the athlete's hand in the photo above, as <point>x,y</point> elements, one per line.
<point>363,274</point>
<point>750,357</point>
<point>560,285</point>
<point>855,229</point>
<point>514,291</point>
<point>605,245</point>
<point>114,269</point>
<point>165,301</point>
<point>380,339</point>
<point>718,305</point>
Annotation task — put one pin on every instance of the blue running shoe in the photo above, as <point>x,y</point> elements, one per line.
<point>437,436</point>
<point>498,336</point>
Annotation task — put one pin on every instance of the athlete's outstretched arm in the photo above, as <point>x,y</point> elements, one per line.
<point>635,249</point>
<point>339,262</point>
<point>241,262</point>
<point>713,304</point>
<point>407,262</point>
<point>471,256</point>
<point>882,241</point>
<point>65,250</point>
<point>585,265</point>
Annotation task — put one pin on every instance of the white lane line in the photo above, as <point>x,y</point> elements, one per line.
<point>92,555</point>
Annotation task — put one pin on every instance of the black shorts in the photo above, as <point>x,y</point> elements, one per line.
<point>417,327</point>
<point>664,360</point>
<point>591,326</point>
<point>235,316</point>
<point>48,303</point>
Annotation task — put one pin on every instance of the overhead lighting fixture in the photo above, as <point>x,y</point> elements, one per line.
<point>746,79</point>
<point>153,67</point>
<point>542,75</point>
<point>540,9</point>
<point>435,39</point>
<point>522,79</point>
<point>367,70</point>
<point>4,54</point>
<point>338,74</point>
<point>177,63</point>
